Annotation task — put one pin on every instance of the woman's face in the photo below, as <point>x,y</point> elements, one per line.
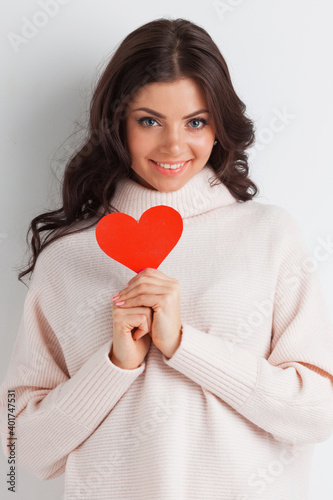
<point>175,127</point>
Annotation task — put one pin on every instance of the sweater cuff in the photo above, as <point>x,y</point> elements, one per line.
<point>221,367</point>
<point>95,388</point>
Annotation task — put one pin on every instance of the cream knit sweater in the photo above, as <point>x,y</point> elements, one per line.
<point>233,415</point>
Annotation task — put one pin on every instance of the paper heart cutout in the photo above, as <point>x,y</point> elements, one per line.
<point>142,244</point>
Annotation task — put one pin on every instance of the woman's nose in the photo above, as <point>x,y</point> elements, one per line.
<point>172,141</point>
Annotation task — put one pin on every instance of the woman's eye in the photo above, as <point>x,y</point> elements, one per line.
<point>198,120</point>
<point>142,121</point>
<point>146,121</point>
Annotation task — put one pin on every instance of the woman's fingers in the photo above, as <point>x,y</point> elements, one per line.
<point>143,294</point>
<point>160,281</point>
<point>137,320</point>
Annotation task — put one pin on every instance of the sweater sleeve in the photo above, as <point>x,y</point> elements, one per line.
<point>55,413</point>
<point>290,394</point>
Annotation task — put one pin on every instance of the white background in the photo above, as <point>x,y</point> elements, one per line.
<point>280,58</point>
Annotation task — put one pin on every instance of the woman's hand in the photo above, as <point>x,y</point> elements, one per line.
<point>152,288</point>
<point>126,352</point>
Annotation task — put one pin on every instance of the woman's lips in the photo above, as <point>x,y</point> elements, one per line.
<point>171,162</point>
<point>169,172</point>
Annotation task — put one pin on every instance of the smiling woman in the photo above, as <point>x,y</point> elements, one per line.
<point>210,377</point>
<point>174,69</point>
<point>168,150</point>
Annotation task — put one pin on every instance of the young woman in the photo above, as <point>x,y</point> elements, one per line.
<point>207,378</point>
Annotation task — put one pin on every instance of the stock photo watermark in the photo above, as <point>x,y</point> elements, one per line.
<point>278,123</point>
<point>263,310</point>
<point>31,27</point>
<point>11,460</point>
<point>262,477</point>
<point>162,411</point>
<point>86,311</point>
<point>225,8</point>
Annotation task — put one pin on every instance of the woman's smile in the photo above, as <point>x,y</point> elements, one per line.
<point>171,168</point>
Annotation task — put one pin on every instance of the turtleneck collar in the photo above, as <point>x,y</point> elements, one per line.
<point>196,197</point>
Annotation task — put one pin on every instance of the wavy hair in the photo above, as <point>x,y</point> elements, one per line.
<point>163,50</point>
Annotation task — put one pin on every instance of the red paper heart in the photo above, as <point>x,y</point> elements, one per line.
<point>141,244</point>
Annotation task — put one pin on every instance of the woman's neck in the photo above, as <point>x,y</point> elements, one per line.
<point>197,196</point>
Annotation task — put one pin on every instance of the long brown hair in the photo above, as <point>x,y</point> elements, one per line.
<point>163,50</point>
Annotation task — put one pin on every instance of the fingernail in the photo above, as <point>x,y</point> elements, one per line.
<point>120,303</point>
<point>115,296</point>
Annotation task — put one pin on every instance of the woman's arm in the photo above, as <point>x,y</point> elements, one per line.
<point>55,413</point>
<point>290,394</point>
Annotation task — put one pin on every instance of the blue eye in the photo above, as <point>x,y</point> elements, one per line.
<point>142,121</point>
<point>202,120</point>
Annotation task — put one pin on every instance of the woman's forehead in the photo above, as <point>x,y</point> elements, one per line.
<point>185,91</point>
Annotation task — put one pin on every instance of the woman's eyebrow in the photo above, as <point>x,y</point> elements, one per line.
<point>152,112</point>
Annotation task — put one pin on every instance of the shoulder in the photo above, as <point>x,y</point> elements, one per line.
<point>267,212</point>
<point>269,216</point>
<point>73,251</point>
<point>270,225</point>
<point>279,227</point>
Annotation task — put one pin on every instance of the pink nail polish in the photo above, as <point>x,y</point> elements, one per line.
<point>120,303</point>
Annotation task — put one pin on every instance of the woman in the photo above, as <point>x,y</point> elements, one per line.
<point>210,377</point>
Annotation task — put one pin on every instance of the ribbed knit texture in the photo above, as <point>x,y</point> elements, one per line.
<point>233,414</point>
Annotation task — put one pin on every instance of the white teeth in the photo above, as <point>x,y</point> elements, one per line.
<point>172,167</point>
